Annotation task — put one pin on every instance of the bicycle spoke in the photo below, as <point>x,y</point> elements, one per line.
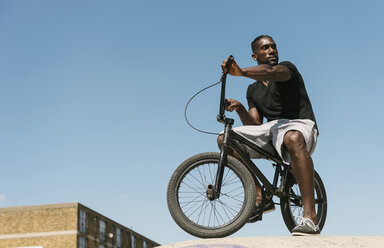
<point>229,180</point>
<point>192,188</point>
<point>210,215</point>
<point>198,181</point>
<point>194,210</point>
<point>203,182</point>
<point>223,206</point>
<point>201,210</point>
<point>233,190</point>
<point>225,176</point>
<point>232,209</point>
<point>231,183</point>
<point>217,214</point>
<point>196,202</point>
<point>189,202</point>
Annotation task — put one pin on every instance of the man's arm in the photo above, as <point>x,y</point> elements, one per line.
<point>251,117</point>
<point>279,73</point>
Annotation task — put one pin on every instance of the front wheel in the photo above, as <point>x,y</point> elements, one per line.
<point>201,216</point>
<point>292,206</point>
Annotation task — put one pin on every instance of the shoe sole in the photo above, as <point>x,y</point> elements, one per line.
<point>305,234</point>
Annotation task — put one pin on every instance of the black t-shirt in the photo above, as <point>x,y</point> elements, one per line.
<point>281,100</point>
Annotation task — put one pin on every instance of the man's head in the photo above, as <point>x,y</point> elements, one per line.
<point>264,50</point>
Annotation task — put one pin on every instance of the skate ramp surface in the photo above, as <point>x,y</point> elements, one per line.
<point>284,242</point>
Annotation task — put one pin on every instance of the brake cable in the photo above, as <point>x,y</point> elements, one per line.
<point>222,99</point>
<point>186,107</point>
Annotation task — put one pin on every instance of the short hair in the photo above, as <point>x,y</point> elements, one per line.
<point>254,42</point>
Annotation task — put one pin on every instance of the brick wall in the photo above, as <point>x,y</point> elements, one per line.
<point>57,226</point>
<point>61,217</point>
<point>50,226</point>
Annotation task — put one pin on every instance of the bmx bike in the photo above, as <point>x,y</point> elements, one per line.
<point>213,195</point>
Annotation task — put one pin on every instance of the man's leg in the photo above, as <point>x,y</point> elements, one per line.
<point>302,166</point>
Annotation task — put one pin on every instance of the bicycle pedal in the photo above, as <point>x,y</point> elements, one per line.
<point>255,218</point>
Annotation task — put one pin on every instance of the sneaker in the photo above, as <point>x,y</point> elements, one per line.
<point>306,228</point>
<point>266,206</point>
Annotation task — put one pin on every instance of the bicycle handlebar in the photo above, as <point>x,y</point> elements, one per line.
<point>228,64</point>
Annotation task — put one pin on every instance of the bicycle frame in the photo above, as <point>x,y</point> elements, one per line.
<point>232,139</point>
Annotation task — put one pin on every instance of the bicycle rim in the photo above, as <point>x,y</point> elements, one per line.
<point>193,201</point>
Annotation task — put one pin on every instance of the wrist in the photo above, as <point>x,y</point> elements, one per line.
<point>240,109</point>
<point>242,72</point>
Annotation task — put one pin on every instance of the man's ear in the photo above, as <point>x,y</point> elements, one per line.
<point>254,57</point>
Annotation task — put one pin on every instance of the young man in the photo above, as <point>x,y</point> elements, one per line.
<point>279,95</point>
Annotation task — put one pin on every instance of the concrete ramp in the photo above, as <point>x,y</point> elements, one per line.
<point>283,242</point>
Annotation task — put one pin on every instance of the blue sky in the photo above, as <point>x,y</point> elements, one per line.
<point>92,97</point>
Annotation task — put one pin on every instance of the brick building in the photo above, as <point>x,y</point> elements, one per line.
<point>69,225</point>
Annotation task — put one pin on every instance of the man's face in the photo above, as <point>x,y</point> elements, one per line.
<point>266,52</point>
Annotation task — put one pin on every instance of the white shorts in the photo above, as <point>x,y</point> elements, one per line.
<point>270,136</point>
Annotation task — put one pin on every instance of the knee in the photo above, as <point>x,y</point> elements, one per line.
<point>294,141</point>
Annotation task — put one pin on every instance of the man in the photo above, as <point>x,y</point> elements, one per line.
<point>279,95</point>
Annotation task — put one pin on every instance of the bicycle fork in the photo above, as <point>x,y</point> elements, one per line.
<point>213,191</point>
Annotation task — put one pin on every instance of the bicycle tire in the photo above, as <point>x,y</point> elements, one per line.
<point>292,209</point>
<point>236,202</point>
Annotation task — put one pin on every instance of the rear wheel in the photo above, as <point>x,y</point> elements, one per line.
<point>201,216</point>
<point>292,206</point>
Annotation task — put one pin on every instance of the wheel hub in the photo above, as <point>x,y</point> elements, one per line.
<point>211,192</point>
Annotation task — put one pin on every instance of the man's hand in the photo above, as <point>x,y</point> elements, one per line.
<point>247,118</point>
<point>232,105</point>
<point>235,70</point>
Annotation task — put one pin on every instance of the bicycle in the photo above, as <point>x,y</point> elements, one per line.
<point>213,195</point>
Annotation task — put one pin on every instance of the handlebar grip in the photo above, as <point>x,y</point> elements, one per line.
<point>229,62</point>
<point>226,103</point>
